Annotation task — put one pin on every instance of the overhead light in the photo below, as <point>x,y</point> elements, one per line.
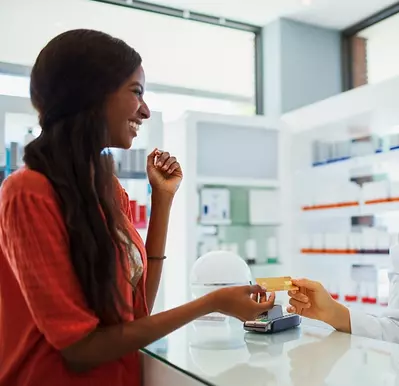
<point>306,2</point>
<point>186,14</point>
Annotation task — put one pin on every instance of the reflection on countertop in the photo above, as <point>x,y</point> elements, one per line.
<point>222,354</point>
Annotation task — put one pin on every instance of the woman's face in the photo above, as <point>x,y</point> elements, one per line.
<point>126,110</point>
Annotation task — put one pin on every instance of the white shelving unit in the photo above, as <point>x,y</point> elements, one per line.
<point>367,110</point>
<point>223,151</point>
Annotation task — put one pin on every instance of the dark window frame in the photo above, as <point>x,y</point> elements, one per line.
<point>221,22</point>
<point>349,33</point>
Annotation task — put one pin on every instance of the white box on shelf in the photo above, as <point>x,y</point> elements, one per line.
<point>305,242</point>
<point>328,195</point>
<point>318,242</point>
<point>369,239</point>
<point>264,206</point>
<point>383,241</point>
<point>341,241</point>
<point>355,241</point>
<point>215,206</point>
<point>394,189</point>
<point>251,249</point>
<point>393,239</point>
<point>272,248</point>
<point>329,242</point>
<point>352,192</point>
<point>376,190</point>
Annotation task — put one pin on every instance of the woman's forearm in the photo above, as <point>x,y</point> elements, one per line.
<point>156,240</point>
<point>111,343</point>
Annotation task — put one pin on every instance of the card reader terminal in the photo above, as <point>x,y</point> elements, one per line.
<point>273,321</point>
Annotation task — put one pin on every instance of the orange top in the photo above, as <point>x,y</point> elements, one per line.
<point>42,308</point>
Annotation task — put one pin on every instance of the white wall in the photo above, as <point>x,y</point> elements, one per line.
<point>302,65</point>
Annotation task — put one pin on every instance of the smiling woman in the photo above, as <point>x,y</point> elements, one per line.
<point>77,283</point>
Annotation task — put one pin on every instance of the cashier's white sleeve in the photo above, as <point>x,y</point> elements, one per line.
<point>386,326</point>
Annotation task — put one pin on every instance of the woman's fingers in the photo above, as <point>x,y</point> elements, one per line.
<point>262,297</point>
<point>168,163</point>
<point>175,165</point>
<point>162,158</point>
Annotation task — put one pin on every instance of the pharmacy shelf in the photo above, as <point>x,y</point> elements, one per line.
<point>246,182</point>
<point>264,265</point>
<point>382,260</point>
<point>123,175</point>
<point>352,211</point>
<point>337,211</point>
<point>239,224</point>
<point>342,166</point>
<point>224,222</point>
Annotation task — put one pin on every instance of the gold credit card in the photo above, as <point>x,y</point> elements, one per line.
<point>273,284</point>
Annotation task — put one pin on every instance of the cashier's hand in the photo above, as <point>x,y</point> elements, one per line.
<point>242,302</point>
<point>312,300</point>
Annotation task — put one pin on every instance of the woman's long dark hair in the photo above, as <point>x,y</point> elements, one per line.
<point>70,81</point>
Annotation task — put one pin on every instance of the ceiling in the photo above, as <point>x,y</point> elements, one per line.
<point>337,14</point>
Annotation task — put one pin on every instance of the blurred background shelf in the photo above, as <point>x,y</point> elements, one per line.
<point>244,182</point>
<point>131,175</point>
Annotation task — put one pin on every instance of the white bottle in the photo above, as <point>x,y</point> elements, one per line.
<point>29,137</point>
<point>251,251</point>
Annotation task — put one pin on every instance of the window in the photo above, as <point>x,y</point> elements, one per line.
<point>370,49</point>
<point>171,105</point>
<point>176,52</point>
<point>14,85</point>
<point>382,51</point>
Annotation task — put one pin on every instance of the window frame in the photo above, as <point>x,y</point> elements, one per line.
<point>208,19</point>
<point>347,39</point>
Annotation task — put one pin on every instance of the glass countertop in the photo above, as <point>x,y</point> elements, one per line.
<point>223,354</point>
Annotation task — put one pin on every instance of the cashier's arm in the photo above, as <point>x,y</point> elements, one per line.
<point>315,302</point>
<point>385,327</point>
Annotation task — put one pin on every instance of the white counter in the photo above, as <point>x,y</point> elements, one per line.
<point>306,356</point>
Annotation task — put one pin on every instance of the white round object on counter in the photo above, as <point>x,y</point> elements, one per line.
<point>218,269</point>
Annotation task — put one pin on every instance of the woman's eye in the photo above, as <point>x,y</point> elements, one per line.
<point>139,93</point>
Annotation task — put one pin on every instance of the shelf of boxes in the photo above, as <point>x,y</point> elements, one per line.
<point>381,259</point>
<point>380,149</point>
<point>345,179</point>
<point>374,198</point>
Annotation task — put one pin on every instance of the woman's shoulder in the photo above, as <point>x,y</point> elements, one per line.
<point>26,181</point>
